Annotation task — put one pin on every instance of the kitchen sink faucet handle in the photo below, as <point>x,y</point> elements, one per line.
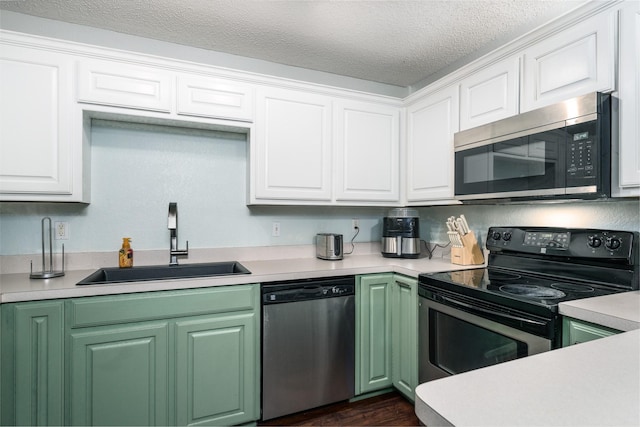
<point>172,224</point>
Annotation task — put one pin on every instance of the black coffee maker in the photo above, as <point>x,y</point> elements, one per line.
<point>401,234</point>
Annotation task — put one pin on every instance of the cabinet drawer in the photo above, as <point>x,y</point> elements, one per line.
<point>112,83</point>
<point>105,310</point>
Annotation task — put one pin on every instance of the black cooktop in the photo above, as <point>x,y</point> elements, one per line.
<point>537,268</point>
<point>509,288</point>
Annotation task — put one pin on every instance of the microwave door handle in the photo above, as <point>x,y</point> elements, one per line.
<point>493,313</point>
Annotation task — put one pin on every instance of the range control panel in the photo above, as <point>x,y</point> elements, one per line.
<point>587,243</point>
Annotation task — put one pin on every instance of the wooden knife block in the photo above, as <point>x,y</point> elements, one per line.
<point>470,252</point>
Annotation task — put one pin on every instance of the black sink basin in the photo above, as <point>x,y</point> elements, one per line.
<point>163,272</point>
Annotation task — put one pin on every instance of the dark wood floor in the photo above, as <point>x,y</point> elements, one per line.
<point>389,409</point>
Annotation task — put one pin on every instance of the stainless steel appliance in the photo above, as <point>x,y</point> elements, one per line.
<point>401,234</point>
<point>329,246</point>
<point>308,344</point>
<point>475,318</point>
<point>559,151</point>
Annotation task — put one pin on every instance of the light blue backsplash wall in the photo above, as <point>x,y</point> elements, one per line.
<point>136,170</point>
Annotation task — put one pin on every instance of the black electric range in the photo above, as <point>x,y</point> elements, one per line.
<point>534,269</point>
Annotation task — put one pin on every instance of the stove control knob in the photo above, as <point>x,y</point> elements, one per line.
<point>594,241</point>
<point>496,235</point>
<point>612,243</point>
<point>506,235</point>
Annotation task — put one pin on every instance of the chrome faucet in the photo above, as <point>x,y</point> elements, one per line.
<point>174,252</point>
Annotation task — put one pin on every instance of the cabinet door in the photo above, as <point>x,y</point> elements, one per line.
<point>118,375</point>
<point>573,62</point>
<point>490,94</point>
<point>432,121</point>
<point>211,97</point>
<point>37,123</point>
<point>367,146</point>
<point>292,159</point>
<point>217,378</point>
<point>373,336</point>
<point>577,331</point>
<point>32,364</point>
<point>626,153</point>
<point>404,345</point>
<point>124,85</point>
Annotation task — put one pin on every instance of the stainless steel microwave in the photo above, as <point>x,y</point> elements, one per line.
<point>559,151</point>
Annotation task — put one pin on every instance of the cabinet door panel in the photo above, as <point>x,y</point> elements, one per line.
<point>32,364</point>
<point>432,122</point>
<point>577,331</point>
<point>367,141</point>
<point>626,158</point>
<point>35,122</point>
<point>405,336</point>
<point>114,83</point>
<point>573,62</point>
<point>210,97</point>
<point>293,146</point>
<point>216,378</point>
<point>118,375</point>
<point>374,340</point>
<point>490,94</point>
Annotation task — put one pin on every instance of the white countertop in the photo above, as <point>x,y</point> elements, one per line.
<point>617,311</point>
<point>596,383</point>
<point>18,287</point>
<point>591,384</point>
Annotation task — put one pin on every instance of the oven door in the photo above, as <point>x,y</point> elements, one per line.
<point>455,337</point>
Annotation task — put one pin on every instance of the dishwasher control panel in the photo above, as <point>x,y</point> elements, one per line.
<point>279,292</point>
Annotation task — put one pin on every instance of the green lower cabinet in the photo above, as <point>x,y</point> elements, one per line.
<point>404,332</point>
<point>32,363</point>
<point>119,375</point>
<point>373,332</point>
<point>386,333</point>
<point>216,370</point>
<point>576,331</point>
<point>164,358</point>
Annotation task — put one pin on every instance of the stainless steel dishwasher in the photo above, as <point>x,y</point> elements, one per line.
<point>308,344</point>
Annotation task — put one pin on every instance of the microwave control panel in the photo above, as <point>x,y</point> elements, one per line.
<point>582,154</point>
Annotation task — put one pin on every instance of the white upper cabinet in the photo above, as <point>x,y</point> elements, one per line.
<point>573,62</point>
<point>431,123</point>
<point>626,135</point>
<point>490,94</point>
<point>291,150</point>
<point>212,97</point>
<point>367,147</point>
<point>125,85</point>
<point>40,127</point>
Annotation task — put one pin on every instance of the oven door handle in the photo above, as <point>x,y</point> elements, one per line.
<point>492,313</point>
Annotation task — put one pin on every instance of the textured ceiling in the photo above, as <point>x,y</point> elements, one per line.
<point>397,42</point>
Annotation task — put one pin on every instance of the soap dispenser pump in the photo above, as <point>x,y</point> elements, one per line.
<point>125,255</point>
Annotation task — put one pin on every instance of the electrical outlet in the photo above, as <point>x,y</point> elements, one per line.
<point>355,223</point>
<point>61,230</point>
<point>275,229</point>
